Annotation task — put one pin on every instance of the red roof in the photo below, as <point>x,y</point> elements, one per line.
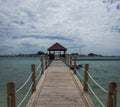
<point>57,47</point>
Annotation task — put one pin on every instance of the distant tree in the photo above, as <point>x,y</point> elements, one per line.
<point>74,54</point>
<point>40,53</point>
<point>92,54</point>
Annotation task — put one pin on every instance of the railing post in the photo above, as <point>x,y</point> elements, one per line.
<point>33,78</point>
<point>70,62</point>
<point>75,65</point>
<point>46,62</point>
<point>11,99</point>
<point>65,59</point>
<point>112,95</point>
<point>42,65</point>
<point>85,88</point>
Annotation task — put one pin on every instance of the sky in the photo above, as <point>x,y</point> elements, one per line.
<point>82,26</point>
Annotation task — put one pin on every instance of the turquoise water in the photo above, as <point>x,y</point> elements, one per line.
<point>103,72</point>
<point>18,69</point>
<point>15,70</point>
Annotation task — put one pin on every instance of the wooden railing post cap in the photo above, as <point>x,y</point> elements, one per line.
<point>113,85</point>
<point>86,64</point>
<point>11,84</point>
<point>32,64</point>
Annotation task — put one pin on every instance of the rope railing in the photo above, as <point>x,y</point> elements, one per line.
<point>80,76</point>
<point>11,91</point>
<point>24,83</point>
<point>104,90</point>
<point>80,68</point>
<point>96,96</point>
<point>25,96</point>
<point>38,67</point>
<point>38,75</point>
<point>111,101</point>
<point>91,87</point>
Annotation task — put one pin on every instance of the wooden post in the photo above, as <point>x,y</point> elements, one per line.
<point>65,59</point>
<point>33,78</point>
<point>75,65</point>
<point>70,62</point>
<point>85,88</point>
<point>112,99</point>
<point>42,65</point>
<point>11,99</point>
<point>46,63</point>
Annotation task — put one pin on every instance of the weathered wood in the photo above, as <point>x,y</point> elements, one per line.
<point>11,100</point>
<point>112,99</point>
<point>33,78</point>
<point>70,62</point>
<point>46,62</point>
<point>75,65</point>
<point>42,65</point>
<point>86,78</point>
<point>58,89</point>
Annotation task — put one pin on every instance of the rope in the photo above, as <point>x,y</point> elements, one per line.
<point>97,83</point>
<point>82,69</point>
<point>24,83</point>
<point>80,76</point>
<point>37,68</point>
<point>38,76</point>
<point>96,96</point>
<point>39,73</point>
<point>113,97</point>
<point>25,96</point>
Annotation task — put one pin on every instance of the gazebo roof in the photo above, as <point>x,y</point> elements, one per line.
<point>57,47</point>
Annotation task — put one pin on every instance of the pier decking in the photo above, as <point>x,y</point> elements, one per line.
<point>58,87</point>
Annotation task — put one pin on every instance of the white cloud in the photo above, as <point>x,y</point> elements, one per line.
<point>90,24</point>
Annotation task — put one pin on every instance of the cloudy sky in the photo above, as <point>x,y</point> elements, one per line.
<point>27,26</point>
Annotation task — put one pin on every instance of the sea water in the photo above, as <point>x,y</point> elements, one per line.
<point>17,70</point>
<point>103,71</point>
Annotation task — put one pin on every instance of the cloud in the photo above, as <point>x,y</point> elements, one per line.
<point>37,24</point>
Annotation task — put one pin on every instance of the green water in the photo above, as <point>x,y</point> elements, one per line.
<point>103,72</point>
<point>18,69</point>
<point>15,70</point>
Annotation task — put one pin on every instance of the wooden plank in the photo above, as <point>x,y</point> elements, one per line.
<point>58,89</point>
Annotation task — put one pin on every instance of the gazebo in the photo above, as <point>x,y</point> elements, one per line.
<point>56,51</point>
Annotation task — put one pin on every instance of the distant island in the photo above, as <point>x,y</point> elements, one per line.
<point>25,55</point>
<point>90,54</point>
<point>43,53</point>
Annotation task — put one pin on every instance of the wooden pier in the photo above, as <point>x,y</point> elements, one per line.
<point>56,85</point>
<point>59,87</point>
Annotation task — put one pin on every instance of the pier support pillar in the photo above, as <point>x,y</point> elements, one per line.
<point>33,78</point>
<point>42,65</point>
<point>85,88</point>
<point>11,100</point>
<point>70,62</point>
<point>112,99</point>
<point>75,65</point>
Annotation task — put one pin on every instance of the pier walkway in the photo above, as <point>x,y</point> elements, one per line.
<point>59,88</point>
